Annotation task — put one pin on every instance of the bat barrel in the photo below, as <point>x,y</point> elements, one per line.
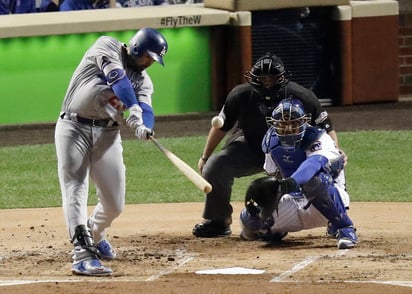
<point>184,168</point>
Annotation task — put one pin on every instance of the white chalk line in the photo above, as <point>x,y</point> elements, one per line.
<point>310,259</point>
<point>295,268</point>
<point>301,265</point>
<point>394,283</point>
<point>21,282</point>
<point>181,256</point>
<point>183,259</point>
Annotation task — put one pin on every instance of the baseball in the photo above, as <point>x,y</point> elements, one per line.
<point>217,122</point>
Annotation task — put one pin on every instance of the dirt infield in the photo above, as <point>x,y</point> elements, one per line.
<point>158,254</point>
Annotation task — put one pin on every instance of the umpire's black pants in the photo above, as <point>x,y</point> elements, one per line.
<point>235,160</point>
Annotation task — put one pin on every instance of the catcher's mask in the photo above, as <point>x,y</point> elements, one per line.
<point>262,198</point>
<point>267,76</point>
<point>289,122</point>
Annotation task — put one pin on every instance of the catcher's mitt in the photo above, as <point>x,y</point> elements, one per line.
<point>262,197</point>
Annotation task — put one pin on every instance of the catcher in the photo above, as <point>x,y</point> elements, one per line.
<point>305,188</point>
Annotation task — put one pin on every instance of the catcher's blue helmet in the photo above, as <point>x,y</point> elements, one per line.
<point>289,122</point>
<point>150,41</point>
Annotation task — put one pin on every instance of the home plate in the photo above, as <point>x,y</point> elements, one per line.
<point>231,271</point>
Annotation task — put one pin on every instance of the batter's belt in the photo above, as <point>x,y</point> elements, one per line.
<point>104,123</point>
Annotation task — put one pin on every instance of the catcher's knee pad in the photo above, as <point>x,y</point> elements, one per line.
<point>321,192</point>
<point>318,186</point>
<point>322,188</point>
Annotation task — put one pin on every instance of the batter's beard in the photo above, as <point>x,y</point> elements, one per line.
<point>130,61</point>
<point>132,65</point>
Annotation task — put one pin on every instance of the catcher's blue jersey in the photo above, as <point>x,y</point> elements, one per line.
<point>288,162</point>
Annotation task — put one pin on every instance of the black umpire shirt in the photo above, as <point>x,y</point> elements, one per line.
<point>246,111</point>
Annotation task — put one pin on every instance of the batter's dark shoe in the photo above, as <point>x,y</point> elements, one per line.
<point>211,228</point>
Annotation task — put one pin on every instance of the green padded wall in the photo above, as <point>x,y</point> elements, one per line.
<point>35,71</point>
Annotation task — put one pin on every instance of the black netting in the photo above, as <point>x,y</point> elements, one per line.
<point>304,39</point>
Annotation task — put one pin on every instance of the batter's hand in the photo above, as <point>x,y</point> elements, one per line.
<point>135,118</point>
<point>143,133</point>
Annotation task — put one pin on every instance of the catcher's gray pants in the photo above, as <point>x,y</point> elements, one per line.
<point>234,161</point>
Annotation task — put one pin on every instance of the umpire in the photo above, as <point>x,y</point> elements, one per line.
<point>244,112</point>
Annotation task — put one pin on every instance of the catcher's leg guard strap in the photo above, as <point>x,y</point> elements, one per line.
<point>321,192</point>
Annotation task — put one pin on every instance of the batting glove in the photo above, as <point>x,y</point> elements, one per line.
<point>143,133</point>
<point>135,118</point>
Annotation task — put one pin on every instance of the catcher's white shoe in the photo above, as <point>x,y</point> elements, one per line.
<point>91,267</point>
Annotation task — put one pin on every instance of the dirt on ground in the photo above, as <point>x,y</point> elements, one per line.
<point>158,254</point>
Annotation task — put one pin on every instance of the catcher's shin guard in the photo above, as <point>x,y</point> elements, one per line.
<point>321,192</point>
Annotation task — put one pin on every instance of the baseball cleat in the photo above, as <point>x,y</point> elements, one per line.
<point>347,238</point>
<point>211,228</point>
<point>105,250</point>
<point>91,267</point>
<point>331,231</point>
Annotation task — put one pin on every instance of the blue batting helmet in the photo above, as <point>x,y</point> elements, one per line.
<point>150,41</point>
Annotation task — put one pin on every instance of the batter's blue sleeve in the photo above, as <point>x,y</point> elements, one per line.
<point>148,115</point>
<point>124,90</point>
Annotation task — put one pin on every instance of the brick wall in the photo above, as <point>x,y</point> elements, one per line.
<point>405,53</point>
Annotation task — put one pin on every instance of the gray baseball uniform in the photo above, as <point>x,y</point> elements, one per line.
<point>87,136</point>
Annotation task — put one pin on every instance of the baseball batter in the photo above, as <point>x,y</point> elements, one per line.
<point>109,80</point>
<point>310,189</point>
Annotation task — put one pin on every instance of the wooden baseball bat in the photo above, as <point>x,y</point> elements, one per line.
<point>184,168</point>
